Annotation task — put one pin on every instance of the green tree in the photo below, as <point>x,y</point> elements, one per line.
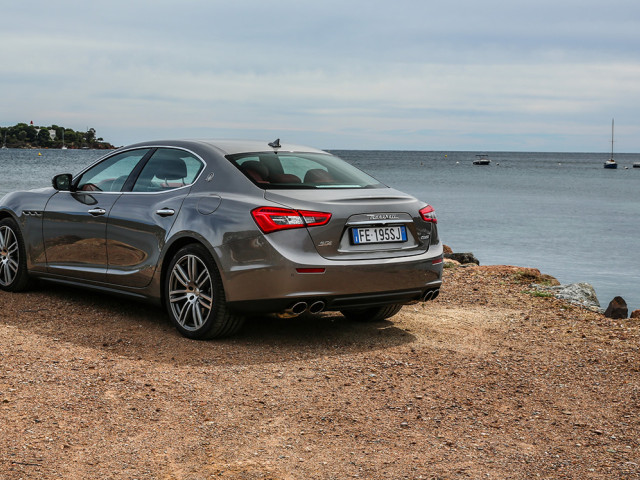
<point>44,138</point>
<point>32,133</point>
<point>91,136</point>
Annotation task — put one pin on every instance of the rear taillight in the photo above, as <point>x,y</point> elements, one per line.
<point>428,214</point>
<point>272,219</point>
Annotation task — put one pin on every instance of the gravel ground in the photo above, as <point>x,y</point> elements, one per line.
<point>487,381</point>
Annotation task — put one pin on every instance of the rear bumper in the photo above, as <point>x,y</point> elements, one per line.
<point>275,285</point>
<point>340,302</point>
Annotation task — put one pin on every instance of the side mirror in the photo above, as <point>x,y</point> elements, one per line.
<point>62,182</point>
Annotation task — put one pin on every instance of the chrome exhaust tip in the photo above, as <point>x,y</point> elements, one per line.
<point>431,295</point>
<point>294,310</point>
<point>316,307</point>
<point>297,308</point>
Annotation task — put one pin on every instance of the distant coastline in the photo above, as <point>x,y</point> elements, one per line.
<point>23,135</point>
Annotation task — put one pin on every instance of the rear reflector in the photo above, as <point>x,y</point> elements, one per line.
<point>436,261</point>
<point>310,270</point>
<point>272,219</point>
<point>428,214</point>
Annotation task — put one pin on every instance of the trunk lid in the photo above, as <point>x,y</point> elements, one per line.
<point>388,221</point>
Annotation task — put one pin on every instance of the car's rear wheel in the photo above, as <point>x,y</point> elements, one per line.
<point>13,260</point>
<point>372,314</point>
<point>194,296</point>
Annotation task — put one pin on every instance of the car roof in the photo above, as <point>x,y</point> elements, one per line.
<point>231,147</point>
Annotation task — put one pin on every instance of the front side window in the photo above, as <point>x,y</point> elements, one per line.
<point>110,174</point>
<point>167,169</point>
<point>301,170</point>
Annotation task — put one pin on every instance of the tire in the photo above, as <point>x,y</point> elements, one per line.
<point>14,276</point>
<point>372,314</point>
<point>194,296</point>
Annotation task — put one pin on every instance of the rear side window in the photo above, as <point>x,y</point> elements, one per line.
<point>167,169</point>
<point>301,170</point>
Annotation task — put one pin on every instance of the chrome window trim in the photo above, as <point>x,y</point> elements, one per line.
<point>161,191</point>
<point>142,147</point>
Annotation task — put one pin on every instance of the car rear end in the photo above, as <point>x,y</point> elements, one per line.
<point>331,238</point>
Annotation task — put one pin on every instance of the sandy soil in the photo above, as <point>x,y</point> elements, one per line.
<point>488,381</point>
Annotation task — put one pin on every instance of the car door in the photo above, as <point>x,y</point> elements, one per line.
<point>141,219</point>
<point>75,222</point>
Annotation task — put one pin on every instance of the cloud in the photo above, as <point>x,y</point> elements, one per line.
<point>367,74</point>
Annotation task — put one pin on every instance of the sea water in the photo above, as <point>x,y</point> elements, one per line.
<point>562,213</point>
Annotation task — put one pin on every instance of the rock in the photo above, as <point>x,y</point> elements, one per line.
<point>617,308</point>
<point>446,249</point>
<point>581,294</point>
<point>449,263</point>
<point>635,314</point>
<point>462,257</point>
<point>548,280</point>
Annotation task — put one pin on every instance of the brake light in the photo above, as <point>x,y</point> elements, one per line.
<point>272,219</point>
<point>428,214</point>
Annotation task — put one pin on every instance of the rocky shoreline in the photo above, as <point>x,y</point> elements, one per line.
<point>581,294</point>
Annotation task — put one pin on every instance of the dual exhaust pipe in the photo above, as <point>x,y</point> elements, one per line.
<point>430,295</point>
<point>299,308</point>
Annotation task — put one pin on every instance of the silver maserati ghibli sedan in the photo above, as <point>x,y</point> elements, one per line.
<point>220,230</point>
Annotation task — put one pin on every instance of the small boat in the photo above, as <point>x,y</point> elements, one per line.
<point>636,165</point>
<point>64,147</point>
<point>4,142</point>
<point>611,163</point>
<point>482,160</point>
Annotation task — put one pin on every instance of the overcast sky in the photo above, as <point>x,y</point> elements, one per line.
<point>486,75</point>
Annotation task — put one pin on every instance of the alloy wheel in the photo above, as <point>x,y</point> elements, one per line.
<point>9,255</point>
<point>190,292</point>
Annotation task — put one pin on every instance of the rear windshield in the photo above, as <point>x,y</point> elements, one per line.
<point>301,170</point>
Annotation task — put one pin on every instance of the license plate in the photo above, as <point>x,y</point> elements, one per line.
<point>379,234</point>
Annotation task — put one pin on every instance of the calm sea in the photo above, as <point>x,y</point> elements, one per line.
<point>559,212</point>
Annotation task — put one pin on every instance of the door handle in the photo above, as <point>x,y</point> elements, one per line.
<point>97,211</point>
<point>165,212</point>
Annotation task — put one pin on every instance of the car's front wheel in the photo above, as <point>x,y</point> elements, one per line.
<point>372,314</point>
<point>13,259</point>
<point>194,296</point>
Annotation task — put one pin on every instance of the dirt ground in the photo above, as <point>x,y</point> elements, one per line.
<point>487,381</point>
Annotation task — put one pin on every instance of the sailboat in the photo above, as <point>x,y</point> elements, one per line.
<point>64,147</point>
<point>4,142</point>
<point>611,163</point>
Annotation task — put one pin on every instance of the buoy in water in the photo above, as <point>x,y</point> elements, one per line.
<point>39,154</point>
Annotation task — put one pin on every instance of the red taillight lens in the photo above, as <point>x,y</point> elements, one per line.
<point>428,214</point>
<point>272,219</point>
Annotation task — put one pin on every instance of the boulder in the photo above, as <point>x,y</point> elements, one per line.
<point>635,314</point>
<point>463,258</point>
<point>582,294</point>
<point>617,308</point>
<point>446,249</point>
<point>449,263</point>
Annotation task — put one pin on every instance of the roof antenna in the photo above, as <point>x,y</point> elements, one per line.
<point>275,143</point>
